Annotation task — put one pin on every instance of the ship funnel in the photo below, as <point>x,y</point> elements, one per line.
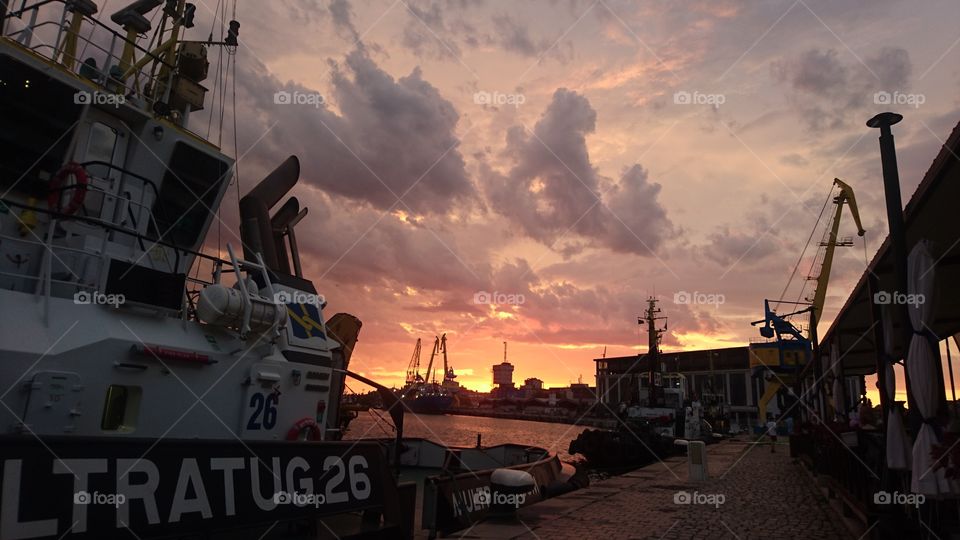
<point>279,224</point>
<point>256,230</point>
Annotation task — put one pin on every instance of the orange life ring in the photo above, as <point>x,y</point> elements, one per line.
<point>55,196</point>
<point>308,425</point>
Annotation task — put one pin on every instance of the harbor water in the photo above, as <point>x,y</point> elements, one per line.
<point>455,430</point>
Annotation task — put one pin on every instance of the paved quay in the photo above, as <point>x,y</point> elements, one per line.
<point>751,494</point>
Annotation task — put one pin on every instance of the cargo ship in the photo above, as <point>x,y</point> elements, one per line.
<point>426,395</point>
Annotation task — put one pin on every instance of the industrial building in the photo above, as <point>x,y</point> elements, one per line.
<point>721,373</point>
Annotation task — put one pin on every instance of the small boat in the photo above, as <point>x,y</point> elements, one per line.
<point>458,486</point>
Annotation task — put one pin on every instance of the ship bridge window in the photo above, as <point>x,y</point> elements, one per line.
<point>102,143</point>
<point>189,191</point>
<point>37,115</point>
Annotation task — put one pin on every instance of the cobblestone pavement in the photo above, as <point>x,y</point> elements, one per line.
<point>752,495</point>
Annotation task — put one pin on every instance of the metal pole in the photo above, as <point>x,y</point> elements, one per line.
<point>898,236</point>
<point>817,367</point>
<point>953,388</point>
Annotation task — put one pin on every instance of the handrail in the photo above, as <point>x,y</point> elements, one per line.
<point>104,79</point>
<point>19,13</point>
<point>112,227</point>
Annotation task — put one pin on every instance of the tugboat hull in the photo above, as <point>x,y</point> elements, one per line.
<point>101,488</point>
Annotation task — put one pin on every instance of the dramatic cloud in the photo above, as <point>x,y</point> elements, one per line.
<point>553,189</point>
<point>548,201</point>
<point>393,138</point>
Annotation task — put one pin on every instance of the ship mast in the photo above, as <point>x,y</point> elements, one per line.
<point>655,334</point>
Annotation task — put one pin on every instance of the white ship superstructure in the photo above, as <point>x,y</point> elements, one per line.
<point>124,343</point>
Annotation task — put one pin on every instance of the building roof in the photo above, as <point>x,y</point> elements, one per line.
<point>930,214</point>
<point>722,359</point>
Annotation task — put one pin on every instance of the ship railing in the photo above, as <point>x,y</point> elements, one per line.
<point>53,270</point>
<point>100,74</point>
<point>143,209</point>
<point>43,280</point>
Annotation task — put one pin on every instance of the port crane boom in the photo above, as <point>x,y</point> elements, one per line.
<point>829,244</point>
<point>431,376</point>
<point>779,360</point>
<point>413,368</point>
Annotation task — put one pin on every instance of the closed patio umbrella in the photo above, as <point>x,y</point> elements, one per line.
<point>898,446</point>
<point>921,363</point>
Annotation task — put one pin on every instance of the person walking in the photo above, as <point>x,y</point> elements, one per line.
<point>772,434</point>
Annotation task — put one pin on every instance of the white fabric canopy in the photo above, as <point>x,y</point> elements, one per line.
<point>898,446</point>
<point>921,365</point>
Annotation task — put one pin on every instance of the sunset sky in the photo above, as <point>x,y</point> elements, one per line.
<point>575,157</point>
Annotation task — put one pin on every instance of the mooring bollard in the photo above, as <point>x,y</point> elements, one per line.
<point>697,461</point>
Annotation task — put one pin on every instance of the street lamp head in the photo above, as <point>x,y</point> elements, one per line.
<point>884,119</point>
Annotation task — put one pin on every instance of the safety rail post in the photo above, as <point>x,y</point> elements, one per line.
<point>273,295</point>
<point>56,42</point>
<point>247,305</point>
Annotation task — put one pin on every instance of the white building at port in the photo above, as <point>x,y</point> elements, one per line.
<point>503,374</point>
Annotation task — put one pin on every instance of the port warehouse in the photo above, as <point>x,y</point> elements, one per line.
<point>724,373</point>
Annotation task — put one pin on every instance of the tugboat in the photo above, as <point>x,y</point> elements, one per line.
<point>646,432</point>
<point>138,399</point>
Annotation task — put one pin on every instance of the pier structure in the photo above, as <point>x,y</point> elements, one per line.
<point>752,494</point>
<point>900,321</point>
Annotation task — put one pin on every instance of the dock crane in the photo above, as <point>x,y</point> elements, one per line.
<point>413,368</point>
<point>791,349</point>
<point>431,376</point>
<point>448,373</point>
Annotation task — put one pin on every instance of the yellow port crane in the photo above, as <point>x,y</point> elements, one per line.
<point>829,243</point>
<point>779,360</point>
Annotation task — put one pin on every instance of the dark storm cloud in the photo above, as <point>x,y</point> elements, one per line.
<point>553,188</point>
<point>392,137</point>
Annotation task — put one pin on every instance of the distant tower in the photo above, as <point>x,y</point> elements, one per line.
<point>503,372</point>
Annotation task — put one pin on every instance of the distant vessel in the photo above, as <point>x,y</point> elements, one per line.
<point>646,431</point>
<point>427,396</point>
